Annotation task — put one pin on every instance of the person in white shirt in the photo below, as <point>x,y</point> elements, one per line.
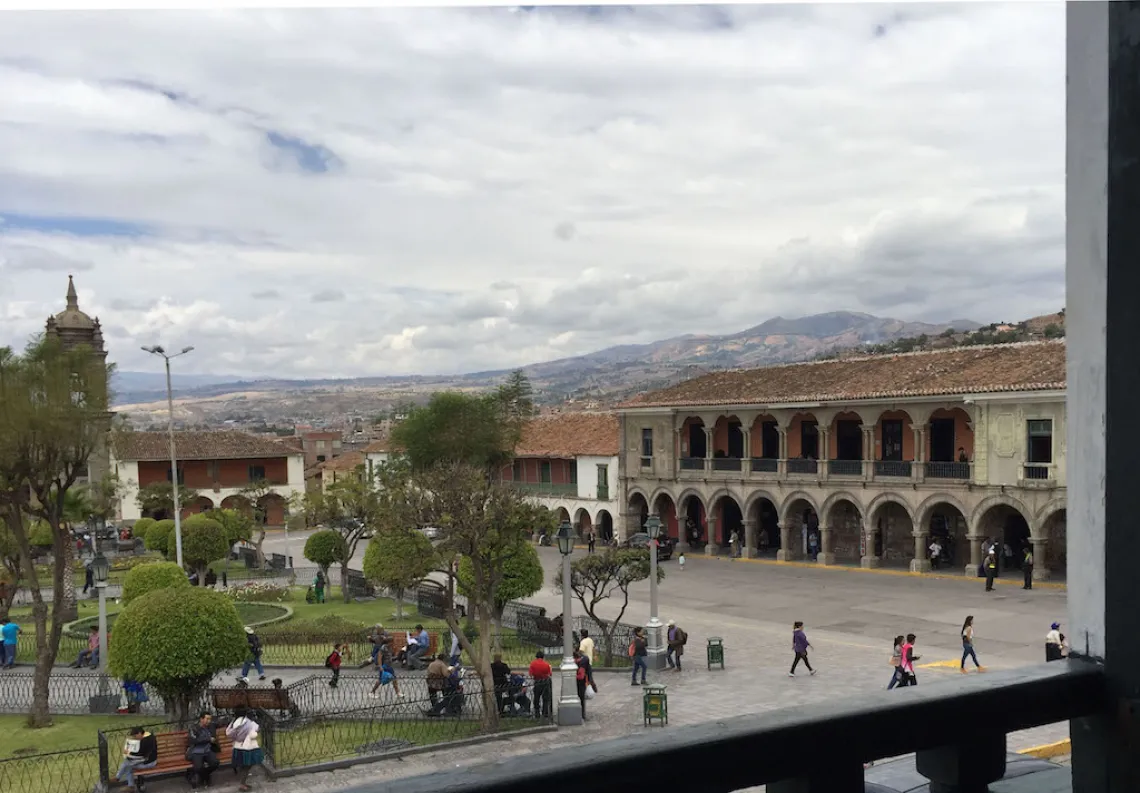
<point>247,753</point>
<point>586,646</point>
<point>1054,641</point>
<point>935,554</point>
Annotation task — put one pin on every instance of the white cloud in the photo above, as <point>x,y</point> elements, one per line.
<point>503,187</point>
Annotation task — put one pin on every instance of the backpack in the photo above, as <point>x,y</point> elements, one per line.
<point>632,648</point>
<point>329,660</point>
<point>682,637</point>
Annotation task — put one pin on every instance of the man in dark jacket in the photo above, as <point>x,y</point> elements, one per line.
<point>639,650</point>
<point>501,675</point>
<point>254,656</point>
<point>202,751</point>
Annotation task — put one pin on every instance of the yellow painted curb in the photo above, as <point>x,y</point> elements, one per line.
<point>1050,750</point>
<point>880,571</point>
<point>940,664</point>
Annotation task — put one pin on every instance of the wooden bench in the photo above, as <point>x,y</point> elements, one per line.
<point>400,642</point>
<point>254,698</point>
<point>172,754</point>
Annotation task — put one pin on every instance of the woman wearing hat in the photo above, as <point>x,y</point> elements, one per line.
<point>1054,640</point>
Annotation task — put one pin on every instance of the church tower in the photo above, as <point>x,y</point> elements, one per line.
<point>73,328</point>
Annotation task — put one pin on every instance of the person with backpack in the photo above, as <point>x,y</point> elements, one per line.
<point>638,651</point>
<point>906,662</point>
<point>896,662</point>
<point>675,639</point>
<point>333,662</point>
<point>968,645</point>
<point>254,659</point>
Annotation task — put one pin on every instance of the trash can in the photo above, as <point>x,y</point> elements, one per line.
<point>716,651</point>
<point>655,705</point>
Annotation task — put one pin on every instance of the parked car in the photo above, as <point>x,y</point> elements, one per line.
<point>899,775</point>
<point>431,532</point>
<point>665,545</point>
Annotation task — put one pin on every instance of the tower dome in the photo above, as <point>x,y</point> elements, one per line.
<point>71,318</point>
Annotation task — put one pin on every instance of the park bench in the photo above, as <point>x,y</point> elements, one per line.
<point>172,755</point>
<point>267,699</point>
<point>400,642</point>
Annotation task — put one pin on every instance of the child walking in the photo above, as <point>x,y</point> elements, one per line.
<point>800,645</point>
<point>896,662</point>
<point>681,561</point>
<point>968,645</point>
<point>333,662</point>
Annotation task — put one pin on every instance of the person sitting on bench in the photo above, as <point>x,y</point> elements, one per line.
<point>202,751</point>
<point>418,646</point>
<point>91,654</point>
<point>140,751</point>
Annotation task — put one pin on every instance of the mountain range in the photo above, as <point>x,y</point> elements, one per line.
<point>604,376</point>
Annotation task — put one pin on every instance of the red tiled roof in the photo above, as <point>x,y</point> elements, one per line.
<point>344,462</point>
<point>381,446</point>
<point>570,435</point>
<point>210,445</point>
<point>1030,366</point>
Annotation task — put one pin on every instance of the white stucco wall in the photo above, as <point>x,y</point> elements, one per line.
<point>588,477</point>
<point>1006,435</point>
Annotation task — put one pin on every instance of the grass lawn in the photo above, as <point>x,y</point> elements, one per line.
<point>367,613</point>
<point>68,732</point>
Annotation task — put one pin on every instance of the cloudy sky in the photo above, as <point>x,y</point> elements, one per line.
<point>329,193</point>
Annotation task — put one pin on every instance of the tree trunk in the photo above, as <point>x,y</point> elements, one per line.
<point>399,603</point>
<point>70,604</point>
<point>344,582</point>
<point>257,548</point>
<point>490,706</point>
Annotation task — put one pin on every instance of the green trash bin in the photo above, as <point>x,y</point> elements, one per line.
<point>655,705</point>
<point>716,651</point>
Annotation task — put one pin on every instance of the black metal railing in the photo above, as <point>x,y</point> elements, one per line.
<point>845,467</point>
<point>947,470</point>
<point>692,463</point>
<point>726,463</point>
<point>765,465</point>
<point>58,772</point>
<point>800,465</point>
<point>943,726</point>
<point>899,468</point>
<point>74,694</point>
<point>614,654</point>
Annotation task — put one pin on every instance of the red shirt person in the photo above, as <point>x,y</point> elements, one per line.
<point>543,690</point>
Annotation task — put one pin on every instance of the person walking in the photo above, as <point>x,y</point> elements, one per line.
<point>1027,567</point>
<point>591,540</point>
<point>319,586</point>
<point>800,645</point>
<point>896,662</point>
<point>675,639</point>
<point>968,645</point>
<point>908,678</point>
<point>681,561</point>
<point>202,751</point>
<point>88,577</point>
<point>638,650</point>
<point>254,659</point>
<point>247,753</point>
<point>501,677</point>
<point>582,679</point>
<point>541,673</point>
<point>734,543</point>
<point>1054,643</point>
<point>334,661</point>
<point>991,570</point>
<point>140,751</point>
<point>9,634</point>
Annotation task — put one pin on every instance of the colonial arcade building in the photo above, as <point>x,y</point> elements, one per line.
<point>877,456</point>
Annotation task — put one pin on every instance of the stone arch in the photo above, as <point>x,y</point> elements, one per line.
<point>693,515</point>
<point>925,510</point>
<point>561,515</point>
<point>692,442</point>
<point>892,521</point>
<point>582,521</point>
<point>790,501</point>
<point>890,498</point>
<point>1046,512</point>
<point>834,499</point>
<point>637,512</point>
<point>636,491</point>
<point>198,505</point>
<point>1012,529</point>
<point>665,508</point>
<point>842,447</point>
<point>762,507</point>
<point>604,523</point>
<point>1052,526</point>
<point>943,517</point>
<point>271,510</point>
<point>729,517</point>
<point>843,515</point>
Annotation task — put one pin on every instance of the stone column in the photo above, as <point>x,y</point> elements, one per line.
<point>868,450</point>
<point>782,463</point>
<point>710,435</point>
<point>746,463</point>
<point>824,451</point>
<point>869,559</point>
<point>711,548</point>
<point>920,563</point>
<point>750,551</point>
<point>1040,571</point>
<point>826,545</point>
<point>785,554</point>
<point>975,541</point>
<point>918,472</point>
<point>679,447</point>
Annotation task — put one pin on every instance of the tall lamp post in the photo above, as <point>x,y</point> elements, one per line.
<point>157,350</point>
<point>569,708</point>
<point>100,571</point>
<point>656,647</point>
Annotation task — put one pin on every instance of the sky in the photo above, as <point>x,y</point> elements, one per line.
<point>334,193</point>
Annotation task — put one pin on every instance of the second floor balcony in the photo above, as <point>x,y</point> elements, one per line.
<point>771,468</point>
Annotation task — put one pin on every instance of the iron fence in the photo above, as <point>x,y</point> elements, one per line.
<point>69,648</point>
<point>311,649</point>
<point>76,694</point>
<point>59,772</point>
<point>613,653</point>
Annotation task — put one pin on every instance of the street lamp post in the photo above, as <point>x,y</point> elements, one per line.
<point>569,708</point>
<point>656,646</point>
<point>100,570</point>
<point>157,350</point>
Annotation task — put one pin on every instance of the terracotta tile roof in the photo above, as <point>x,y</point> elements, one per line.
<point>381,446</point>
<point>1030,366</point>
<point>570,435</point>
<point>344,462</point>
<point>210,445</point>
<point>292,443</point>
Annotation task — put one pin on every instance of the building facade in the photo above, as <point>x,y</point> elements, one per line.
<point>350,465</point>
<point>568,462</point>
<point>877,456</point>
<point>227,468</point>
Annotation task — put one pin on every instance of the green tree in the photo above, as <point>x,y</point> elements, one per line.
<point>40,535</point>
<point>12,567</point>
<point>400,560</point>
<point>522,577</point>
<point>515,402</point>
<point>238,526</point>
<point>203,541</point>
<point>598,577</point>
<point>157,498</point>
<point>256,495</point>
<point>140,528</point>
<point>53,416</point>
<point>353,509</point>
<point>325,548</point>
<point>159,536</point>
<point>177,640</point>
<point>455,428</point>
<point>147,578</point>
<point>1054,331</point>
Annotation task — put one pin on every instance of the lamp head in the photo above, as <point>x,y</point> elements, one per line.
<point>565,540</point>
<point>653,527</point>
<point>100,568</point>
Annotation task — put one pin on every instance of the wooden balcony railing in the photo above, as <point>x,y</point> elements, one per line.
<point>547,488</point>
<point>958,730</point>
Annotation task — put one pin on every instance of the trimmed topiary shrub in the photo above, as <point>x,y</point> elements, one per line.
<point>177,640</point>
<point>151,577</point>
<point>40,535</point>
<point>158,536</point>
<point>203,541</point>
<point>141,527</point>
<point>324,548</point>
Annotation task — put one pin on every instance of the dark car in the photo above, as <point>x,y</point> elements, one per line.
<point>665,545</point>
<point>1023,774</point>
